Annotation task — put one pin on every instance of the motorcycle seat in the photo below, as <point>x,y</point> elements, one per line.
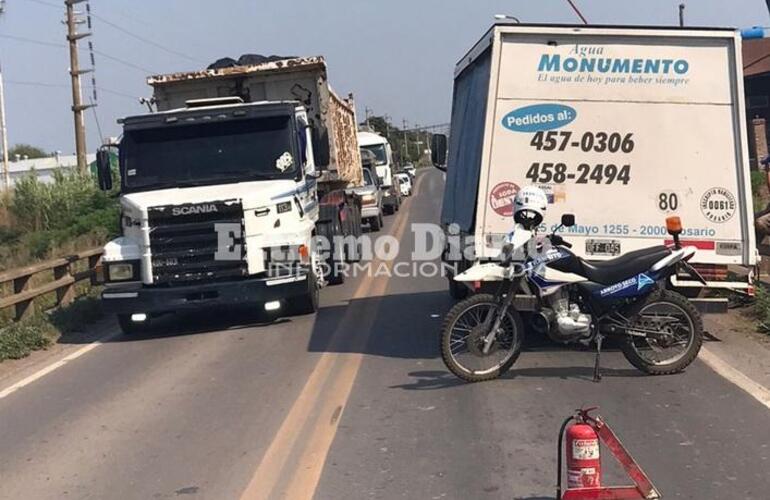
<point>609,272</point>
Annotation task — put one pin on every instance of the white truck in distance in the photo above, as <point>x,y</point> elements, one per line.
<point>225,188</point>
<point>384,165</point>
<point>620,126</point>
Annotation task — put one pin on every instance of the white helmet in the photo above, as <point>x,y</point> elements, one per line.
<point>529,206</point>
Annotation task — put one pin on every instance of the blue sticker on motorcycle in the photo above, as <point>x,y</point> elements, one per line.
<point>643,281</point>
<point>627,288</point>
<point>539,117</point>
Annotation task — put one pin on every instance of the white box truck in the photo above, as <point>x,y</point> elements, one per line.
<point>622,126</point>
<point>226,186</point>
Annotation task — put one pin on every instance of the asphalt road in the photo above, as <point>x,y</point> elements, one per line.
<point>355,403</point>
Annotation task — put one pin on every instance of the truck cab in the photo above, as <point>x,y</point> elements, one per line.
<point>218,205</point>
<point>384,166</point>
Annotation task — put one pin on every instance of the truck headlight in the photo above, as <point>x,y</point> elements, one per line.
<point>283,207</point>
<point>368,199</point>
<point>122,271</point>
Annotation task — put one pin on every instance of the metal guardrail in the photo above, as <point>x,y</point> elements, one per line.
<point>63,283</point>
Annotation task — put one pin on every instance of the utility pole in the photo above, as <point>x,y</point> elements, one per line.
<point>4,133</point>
<point>681,14</point>
<point>78,108</point>
<point>3,128</point>
<point>406,142</point>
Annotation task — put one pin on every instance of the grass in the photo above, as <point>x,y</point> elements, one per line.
<point>41,221</point>
<point>758,184</point>
<point>18,340</point>
<point>761,309</point>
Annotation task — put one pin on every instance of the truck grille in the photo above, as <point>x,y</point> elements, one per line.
<point>184,243</point>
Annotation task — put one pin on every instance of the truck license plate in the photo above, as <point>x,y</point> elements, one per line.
<point>609,248</point>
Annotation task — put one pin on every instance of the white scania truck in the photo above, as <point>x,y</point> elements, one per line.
<point>225,187</point>
<point>621,126</point>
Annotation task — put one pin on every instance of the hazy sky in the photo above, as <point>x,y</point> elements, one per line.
<point>396,56</point>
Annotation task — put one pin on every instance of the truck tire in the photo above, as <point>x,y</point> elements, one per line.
<point>457,290</point>
<point>375,223</point>
<point>329,230</point>
<point>308,303</point>
<point>129,327</point>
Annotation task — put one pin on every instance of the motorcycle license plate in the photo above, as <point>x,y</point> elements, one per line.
<point>609,248</point>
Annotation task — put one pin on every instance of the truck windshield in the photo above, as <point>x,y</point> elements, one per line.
<point>208,153</point>
<point>380,155</point>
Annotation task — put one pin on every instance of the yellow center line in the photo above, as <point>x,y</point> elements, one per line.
<point>307,473</point>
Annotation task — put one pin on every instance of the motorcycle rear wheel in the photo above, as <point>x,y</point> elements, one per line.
<point>685,323</point>
<point>462,332</point>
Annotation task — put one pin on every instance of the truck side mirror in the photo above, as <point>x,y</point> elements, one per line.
<point>320,149</point>
<point>104,169</point>
<point>438,151</point>
<point>568,220</point>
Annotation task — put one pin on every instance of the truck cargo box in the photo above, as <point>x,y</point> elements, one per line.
<point>296,79</point>
<point>621,126</point>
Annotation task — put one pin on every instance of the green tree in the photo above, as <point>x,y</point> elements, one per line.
<point>26,150</point>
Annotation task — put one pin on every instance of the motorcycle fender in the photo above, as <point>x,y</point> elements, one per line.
<point>482,272</point>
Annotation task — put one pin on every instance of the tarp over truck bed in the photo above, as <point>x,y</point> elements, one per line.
<point>302,79</point>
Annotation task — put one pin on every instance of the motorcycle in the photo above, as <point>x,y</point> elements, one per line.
<point>572,300</point>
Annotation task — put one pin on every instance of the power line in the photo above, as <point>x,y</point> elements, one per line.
<point>47,4</point>
<point>145,40</point>
<point>129,33</point>
<point>62,85</point>
<point>62,46</point>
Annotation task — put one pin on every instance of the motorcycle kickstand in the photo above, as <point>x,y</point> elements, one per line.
<point>597,368</point>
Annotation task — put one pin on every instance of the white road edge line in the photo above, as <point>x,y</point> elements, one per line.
<point>54,366</point>
<point>754,389</point>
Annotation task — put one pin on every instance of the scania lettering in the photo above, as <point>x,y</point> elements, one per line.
<point>202,209</point>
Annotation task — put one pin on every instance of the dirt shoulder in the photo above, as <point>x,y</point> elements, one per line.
<point>734,338</point>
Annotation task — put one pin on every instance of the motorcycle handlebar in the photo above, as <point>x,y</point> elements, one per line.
<point>558,240</point>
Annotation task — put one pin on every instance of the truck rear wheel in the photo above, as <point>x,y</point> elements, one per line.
<point>329,230</point>
<point>308,303</point>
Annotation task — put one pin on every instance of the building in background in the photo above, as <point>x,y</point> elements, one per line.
<point>44,167</point>
<point>756,72</point>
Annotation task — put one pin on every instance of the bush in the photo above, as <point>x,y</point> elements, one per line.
<point>758,183</point>
<point>48,216</point>
<point>43,206</point>
<point>761,308</point>
<point>17,340</point>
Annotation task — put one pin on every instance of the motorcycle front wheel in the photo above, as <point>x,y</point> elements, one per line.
<point>674,330</point>
<point>463,334</point>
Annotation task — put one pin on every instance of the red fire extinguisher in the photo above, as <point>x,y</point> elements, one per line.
<point>584,465</point>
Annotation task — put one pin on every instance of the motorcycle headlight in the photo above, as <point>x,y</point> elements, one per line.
<point>122,271</point>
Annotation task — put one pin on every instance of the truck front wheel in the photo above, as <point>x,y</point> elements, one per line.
<point>375,223</point>
<point>130,327</point>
